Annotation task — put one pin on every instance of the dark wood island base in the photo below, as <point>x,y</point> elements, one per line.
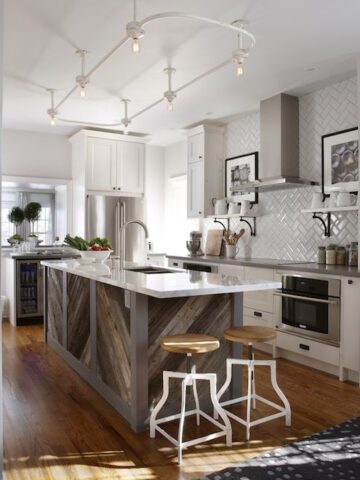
<point>111,337</point>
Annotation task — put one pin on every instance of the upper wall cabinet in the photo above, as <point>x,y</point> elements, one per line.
<point>205,169</point>
<point>106,162</point>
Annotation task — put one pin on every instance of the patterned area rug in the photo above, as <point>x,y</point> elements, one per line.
<point>331,455</point>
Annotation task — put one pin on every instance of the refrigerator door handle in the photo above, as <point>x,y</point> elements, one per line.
<point>87,228</point>
<point>117,228</point>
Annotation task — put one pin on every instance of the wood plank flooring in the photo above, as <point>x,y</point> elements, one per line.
<point>57,427</point>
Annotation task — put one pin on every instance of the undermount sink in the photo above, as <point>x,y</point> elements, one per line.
<point>150,270</point>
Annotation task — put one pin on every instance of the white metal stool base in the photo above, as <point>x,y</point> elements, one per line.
<point>189,380</point>
<point>251,397</point>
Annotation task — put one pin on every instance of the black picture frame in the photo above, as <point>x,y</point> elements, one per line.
<point>327,141</point>
<point>253,158</point>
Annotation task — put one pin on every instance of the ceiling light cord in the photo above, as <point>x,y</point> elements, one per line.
<point>170,95</point>
<point>52,111</point>
<point>126,120</point>
<point>82,80</point>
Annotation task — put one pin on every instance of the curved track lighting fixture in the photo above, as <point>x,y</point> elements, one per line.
<point>240,54</point>
<point>126,120</point>
<point>82,80</point>
<point>170,95</point>
<point>52,111</point>
<point>135,32</point>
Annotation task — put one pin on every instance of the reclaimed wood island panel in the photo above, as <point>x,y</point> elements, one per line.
<point>110,333</point>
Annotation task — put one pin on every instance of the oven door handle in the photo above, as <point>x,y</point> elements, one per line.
<point>299,297</point>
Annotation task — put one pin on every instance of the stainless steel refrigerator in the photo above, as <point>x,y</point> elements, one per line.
<point>106,215</point>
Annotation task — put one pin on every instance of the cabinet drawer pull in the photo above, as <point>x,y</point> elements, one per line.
<point>257,314</point>
<point>304,347</point>
<point>175,264</point>
<point>350,282</point>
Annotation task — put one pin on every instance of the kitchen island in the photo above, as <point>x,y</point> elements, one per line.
<point>107,325</point>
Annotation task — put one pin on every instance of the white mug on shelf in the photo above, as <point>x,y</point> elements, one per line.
<point>245,208</point>
<point>231,251</point>
<point>345,199</point>
<point>233,209</point>
<point>317,200</point>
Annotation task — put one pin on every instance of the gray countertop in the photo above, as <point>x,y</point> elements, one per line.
<point>273,263</point>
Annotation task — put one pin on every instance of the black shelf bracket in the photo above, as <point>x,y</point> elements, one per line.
<point>241,219</point>
<point>222,224</point>
<point>252,227</point>
<point>326,223</point>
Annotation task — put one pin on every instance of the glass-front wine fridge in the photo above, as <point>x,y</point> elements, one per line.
<point>29,292</point>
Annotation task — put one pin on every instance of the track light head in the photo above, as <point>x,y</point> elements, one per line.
<point>135,32</point>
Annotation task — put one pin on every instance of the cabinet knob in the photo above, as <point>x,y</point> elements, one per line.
<point>200,156</point>
<point>350,282</point>
<point>200,213</point>
<point>114,188</point>
<point>119,188</point>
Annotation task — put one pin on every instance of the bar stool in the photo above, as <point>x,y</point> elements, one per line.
<point>248,335</point>
<point>190,344</point>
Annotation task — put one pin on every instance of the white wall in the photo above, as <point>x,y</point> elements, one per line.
<point>176,225</point>
<point>154,196</point>
<point>36,154</point>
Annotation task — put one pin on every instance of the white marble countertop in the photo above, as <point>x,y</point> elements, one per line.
<point>179,283</point>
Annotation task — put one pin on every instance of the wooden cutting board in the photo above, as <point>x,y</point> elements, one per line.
<point>213,242</point>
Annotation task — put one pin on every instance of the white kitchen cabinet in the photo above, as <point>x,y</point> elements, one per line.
<point>101,164</point>
<point>195,188</point>
<point>130,167</point>
<point>205,169</point>
<point>104,163</point>
<point>350,319</point>
<point>262,301</point>
<point>196,146</point>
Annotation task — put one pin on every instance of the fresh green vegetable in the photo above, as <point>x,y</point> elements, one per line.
<point>102,242</point>
<point>76,242</point>
<point>16,216</point>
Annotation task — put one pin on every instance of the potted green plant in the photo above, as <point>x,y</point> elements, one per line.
<point>16,217</point>
<point>32,213</point>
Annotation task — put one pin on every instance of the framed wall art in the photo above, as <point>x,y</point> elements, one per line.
<point>340,161</point>
<point>241,170</point>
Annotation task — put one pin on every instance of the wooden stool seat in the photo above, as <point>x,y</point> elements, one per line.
<point>249,334</point>
<point>190,343</point>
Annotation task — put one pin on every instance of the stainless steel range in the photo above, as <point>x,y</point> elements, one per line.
<point>311,307</point>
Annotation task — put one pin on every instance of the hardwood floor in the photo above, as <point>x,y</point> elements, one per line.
<point>57,427</point>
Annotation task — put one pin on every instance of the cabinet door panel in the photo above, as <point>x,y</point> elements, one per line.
<point>264,299</point>
<point>130,167</point>
<point>196,148</point>
<point>195,190</point>
<point>101,164</point>
<point>350,338</point>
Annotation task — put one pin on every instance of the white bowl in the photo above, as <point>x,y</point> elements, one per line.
<point>99,256</point>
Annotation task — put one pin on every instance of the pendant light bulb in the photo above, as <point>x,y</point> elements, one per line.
<point>52,111</point>
<point>82,92</point>
<point>170,106</point>
<point>136,46</point>
<point>53,121</point>
<point>239,70</point>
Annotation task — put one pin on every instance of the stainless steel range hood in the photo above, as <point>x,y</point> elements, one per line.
<point>279,147</point>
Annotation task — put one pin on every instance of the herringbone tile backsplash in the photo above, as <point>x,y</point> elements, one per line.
<point>282,230</point>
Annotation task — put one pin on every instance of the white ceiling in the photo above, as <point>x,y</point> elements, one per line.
<point>41,37</point>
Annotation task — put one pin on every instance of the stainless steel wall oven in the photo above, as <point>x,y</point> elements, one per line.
<point>311,307</point>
